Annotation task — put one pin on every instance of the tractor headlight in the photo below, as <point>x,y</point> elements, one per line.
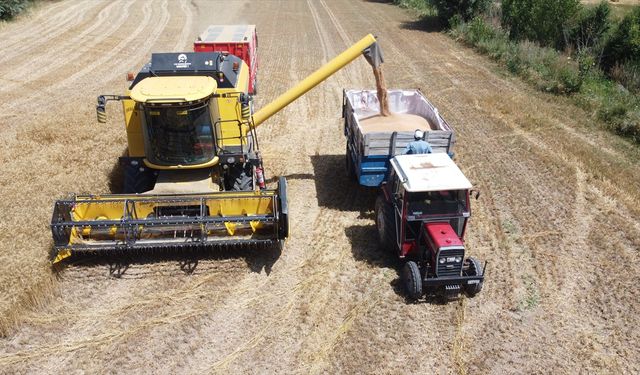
<point>442,260</point>
<point>458,259</point>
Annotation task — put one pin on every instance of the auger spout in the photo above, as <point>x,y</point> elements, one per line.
<point>315,78</point>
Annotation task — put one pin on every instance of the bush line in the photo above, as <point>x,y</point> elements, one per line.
<point>586,55</point>
<point>11,8</point>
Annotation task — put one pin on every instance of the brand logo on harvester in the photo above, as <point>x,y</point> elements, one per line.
<point>182,61</point>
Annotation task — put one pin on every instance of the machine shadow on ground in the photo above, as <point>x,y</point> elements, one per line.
<point>366,248</point>
<point>186,261</point>
<point>428,23</point>
<point>337,191</point>
<point>116,175</point>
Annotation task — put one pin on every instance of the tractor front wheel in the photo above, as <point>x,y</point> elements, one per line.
<point>412,280</point>
<point>474,269</point>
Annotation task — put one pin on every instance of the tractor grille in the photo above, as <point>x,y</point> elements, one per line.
<point>449,268</point>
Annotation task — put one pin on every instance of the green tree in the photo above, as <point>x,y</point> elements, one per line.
<point>11,8</point>
<point>624,45</point>
<point>590,29</point>
<point>542,21</point>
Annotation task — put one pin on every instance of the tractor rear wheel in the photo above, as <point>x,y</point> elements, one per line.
<point>385,223</point>
<point>474,269</point>
<point>412,280</point>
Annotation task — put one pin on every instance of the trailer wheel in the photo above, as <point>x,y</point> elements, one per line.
<point>349,168</point>
<point>412,280</point>
<point>385,223</point>
<point>474,269</point>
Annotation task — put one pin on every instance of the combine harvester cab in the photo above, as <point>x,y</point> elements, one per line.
<point>194,176</point>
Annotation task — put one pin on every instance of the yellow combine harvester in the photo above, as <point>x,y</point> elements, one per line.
<point>193,176</point>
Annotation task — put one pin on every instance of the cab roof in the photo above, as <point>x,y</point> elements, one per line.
<point>429,172</point>
<point>173,89</point>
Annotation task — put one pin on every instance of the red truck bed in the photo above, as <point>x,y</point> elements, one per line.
<point>238,40</point>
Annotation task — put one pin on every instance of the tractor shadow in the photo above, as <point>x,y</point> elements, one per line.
<point>365,248</point>
<point>116,175</point>
<point>186,261</point>
<point>337,191</point>
<point>428,23</point>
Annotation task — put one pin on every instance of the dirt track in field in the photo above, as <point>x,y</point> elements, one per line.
<point>557,220</point>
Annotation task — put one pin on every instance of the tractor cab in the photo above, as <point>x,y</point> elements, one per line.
<point>423,213</point>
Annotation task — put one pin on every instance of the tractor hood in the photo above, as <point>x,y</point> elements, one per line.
<point>173,89</point>
<point>443,235</point>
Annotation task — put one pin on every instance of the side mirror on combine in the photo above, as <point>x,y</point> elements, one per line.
<point>101,107</point>
<point>101,113</point>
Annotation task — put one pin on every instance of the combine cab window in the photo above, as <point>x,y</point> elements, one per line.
<point>179,135</point>
<point>452,203</point>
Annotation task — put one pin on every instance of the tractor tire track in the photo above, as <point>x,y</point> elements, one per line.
<point>71,50</point>
<point>107,57</point>
<point>15,33</point>
<point>55,27</point>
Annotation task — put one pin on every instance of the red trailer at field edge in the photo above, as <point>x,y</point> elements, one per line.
<point>238,40</point>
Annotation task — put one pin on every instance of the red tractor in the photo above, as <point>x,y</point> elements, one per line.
<point>422,213</point>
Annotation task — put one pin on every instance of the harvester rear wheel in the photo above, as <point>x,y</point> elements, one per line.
<point>412,280</point>
<point>474,269</point>
<point>384,223</point>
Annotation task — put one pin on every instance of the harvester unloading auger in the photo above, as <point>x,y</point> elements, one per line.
<point>193,177</point>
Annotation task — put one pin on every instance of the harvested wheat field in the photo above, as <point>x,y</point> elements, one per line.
<point>558,218</point>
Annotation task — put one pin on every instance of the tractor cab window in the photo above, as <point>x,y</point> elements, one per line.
<point>179,135</point>
<point>437,203</point>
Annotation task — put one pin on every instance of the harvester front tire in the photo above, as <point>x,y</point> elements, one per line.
<point>412,280</point>
<point>243,179</point>
<point>385,224</point>
<point>475,269</point>
<point>284,208</point>
<point>137,180</point>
